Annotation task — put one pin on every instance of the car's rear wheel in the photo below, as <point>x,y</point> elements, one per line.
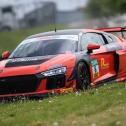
<point>82,77</point>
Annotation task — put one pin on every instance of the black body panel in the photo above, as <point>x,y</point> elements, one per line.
<point>24,63</point>
<point>18,84</point>
<point>55,82</point>
<point>27,61</point>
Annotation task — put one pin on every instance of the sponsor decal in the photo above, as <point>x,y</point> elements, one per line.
<point>71,37</point>
<point>67,90</point>
<point>95,68</point>
<point>104,65</point>
<point>25,59</point>
<point>1,71</point>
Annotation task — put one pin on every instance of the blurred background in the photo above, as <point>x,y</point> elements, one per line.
<point>25,17</point>
<point>17,14</point>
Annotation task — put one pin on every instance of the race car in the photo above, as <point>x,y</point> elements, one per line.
<point>62,61</point>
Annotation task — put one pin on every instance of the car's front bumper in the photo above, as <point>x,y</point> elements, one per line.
<point>32,85</point>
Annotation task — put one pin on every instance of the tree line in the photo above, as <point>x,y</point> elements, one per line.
<point>106,8</point>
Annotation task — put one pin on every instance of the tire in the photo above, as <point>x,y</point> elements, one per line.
<point>82,77</point>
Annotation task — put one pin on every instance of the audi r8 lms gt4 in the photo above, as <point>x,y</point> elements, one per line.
<point>62,61</point>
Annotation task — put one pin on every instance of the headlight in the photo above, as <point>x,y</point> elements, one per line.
<point>53,72</point>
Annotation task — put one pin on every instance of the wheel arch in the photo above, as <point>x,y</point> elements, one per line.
<point>87,63</point>
<point>80,57</point>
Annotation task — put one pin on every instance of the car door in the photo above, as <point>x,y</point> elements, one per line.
<point>120,50</point>
<point>101,61</point>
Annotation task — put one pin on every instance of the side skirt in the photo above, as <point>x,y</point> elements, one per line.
<point>106,81</point>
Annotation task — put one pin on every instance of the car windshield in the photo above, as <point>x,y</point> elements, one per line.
<point>44,47</point>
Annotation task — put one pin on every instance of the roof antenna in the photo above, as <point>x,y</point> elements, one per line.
<point>122,30</point>
<point>55,29</point>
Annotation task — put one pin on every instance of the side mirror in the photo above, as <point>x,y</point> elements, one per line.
<point>92,47</point>
<point>5,55</point>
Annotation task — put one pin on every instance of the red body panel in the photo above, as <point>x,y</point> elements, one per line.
<point>110,60</point>
<point>63,59</point>
<point>112,29</point>
<point>122,66</point>
<point>67,60</point>
<point>105,66</point>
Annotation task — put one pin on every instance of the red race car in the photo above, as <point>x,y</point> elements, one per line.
<point>62,61</point>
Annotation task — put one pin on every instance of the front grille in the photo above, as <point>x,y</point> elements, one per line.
<point>55,82</point>
<point>18,84</point>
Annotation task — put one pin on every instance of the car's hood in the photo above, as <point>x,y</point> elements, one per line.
<point>32,65</point>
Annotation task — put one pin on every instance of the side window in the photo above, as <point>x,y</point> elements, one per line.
<point>109,38</point>
<point>91,38</point>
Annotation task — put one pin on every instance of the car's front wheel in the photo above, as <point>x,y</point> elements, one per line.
<point>82,76</point>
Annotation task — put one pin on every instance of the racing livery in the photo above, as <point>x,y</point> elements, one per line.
<point>62,61</point>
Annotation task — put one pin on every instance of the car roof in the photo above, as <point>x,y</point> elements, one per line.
<point>63,32</point>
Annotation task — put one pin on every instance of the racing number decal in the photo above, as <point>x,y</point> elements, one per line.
<point>95,68</point>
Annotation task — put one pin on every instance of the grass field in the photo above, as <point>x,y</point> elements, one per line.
<point>105,106</point>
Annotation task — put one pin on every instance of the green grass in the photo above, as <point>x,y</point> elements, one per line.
<point>9,40</point>
<point>104,106</point>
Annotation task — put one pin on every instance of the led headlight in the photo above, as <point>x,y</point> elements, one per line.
<point>53,72</point>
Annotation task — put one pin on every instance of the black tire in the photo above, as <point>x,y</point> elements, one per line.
<point>82,77</point>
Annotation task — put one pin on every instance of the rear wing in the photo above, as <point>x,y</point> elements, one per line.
<point>118,31</point>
